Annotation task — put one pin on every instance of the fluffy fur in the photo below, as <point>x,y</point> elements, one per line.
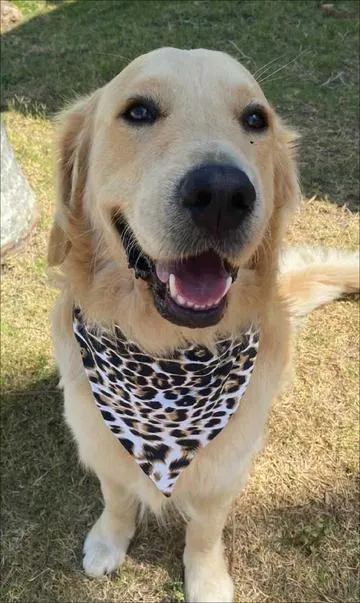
<point>103,164</point>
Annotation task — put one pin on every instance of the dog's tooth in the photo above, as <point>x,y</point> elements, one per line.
<point>172,286</point>
<point>180,300</point>
<point>228,285</point>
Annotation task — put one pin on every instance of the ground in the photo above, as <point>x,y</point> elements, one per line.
<point>293,533</point>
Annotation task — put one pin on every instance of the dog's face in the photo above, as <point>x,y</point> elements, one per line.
<point>183,154</point>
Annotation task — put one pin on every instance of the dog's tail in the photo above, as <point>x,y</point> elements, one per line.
<point>311,277</point>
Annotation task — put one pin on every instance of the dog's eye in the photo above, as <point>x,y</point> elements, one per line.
<point>255,119</point>
<point>141,113</point>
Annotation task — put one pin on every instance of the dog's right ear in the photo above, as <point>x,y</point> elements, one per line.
<point>73,142</point>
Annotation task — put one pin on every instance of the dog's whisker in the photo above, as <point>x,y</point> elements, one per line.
<point>97,249</point>
<point>268,76</point>
<point>265,67</point>
<point>275,79</point>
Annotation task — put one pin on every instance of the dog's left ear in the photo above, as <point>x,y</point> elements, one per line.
<point>287,192</point>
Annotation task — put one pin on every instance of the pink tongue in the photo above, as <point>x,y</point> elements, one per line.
<point>201,279</point>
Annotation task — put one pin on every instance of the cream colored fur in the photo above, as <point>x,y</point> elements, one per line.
<point>310,278</point>
<point>104,165</point>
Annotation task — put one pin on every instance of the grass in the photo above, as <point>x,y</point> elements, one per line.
<point>293,533</point>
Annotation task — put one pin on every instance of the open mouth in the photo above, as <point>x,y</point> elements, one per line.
<point>195,288</point>
<point>189,292</point>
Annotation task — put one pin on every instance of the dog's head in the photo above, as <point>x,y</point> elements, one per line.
<point>180,164</point>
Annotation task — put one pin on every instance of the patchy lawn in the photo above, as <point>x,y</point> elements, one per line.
<point>293,533</point>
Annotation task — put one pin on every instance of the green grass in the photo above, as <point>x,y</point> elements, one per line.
<point>293,535</point>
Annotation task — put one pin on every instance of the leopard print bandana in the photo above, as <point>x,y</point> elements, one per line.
<point>162,410</point>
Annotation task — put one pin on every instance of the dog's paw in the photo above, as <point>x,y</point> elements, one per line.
<point>205,588</point>
<point>207,580</point>
<point>103,553</point>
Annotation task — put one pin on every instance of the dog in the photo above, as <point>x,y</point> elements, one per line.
<point>175,324</point>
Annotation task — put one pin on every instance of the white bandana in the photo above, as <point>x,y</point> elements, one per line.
<point>162,410</point>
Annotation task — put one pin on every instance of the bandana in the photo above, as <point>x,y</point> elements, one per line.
<point>163,410</point>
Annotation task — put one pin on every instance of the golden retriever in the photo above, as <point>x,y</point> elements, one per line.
<point>176,181</point>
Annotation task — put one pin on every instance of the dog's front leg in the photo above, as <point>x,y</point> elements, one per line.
<point>107,542</point>
<point>206,575</point>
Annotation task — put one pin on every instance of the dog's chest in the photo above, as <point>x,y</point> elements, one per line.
<point>163,410</point>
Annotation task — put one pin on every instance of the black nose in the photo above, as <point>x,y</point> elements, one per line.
<point>218,196</point>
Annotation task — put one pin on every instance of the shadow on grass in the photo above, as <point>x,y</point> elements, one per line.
<point>49,503</point>
<point>42,483</point>
<point>81,45</point>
